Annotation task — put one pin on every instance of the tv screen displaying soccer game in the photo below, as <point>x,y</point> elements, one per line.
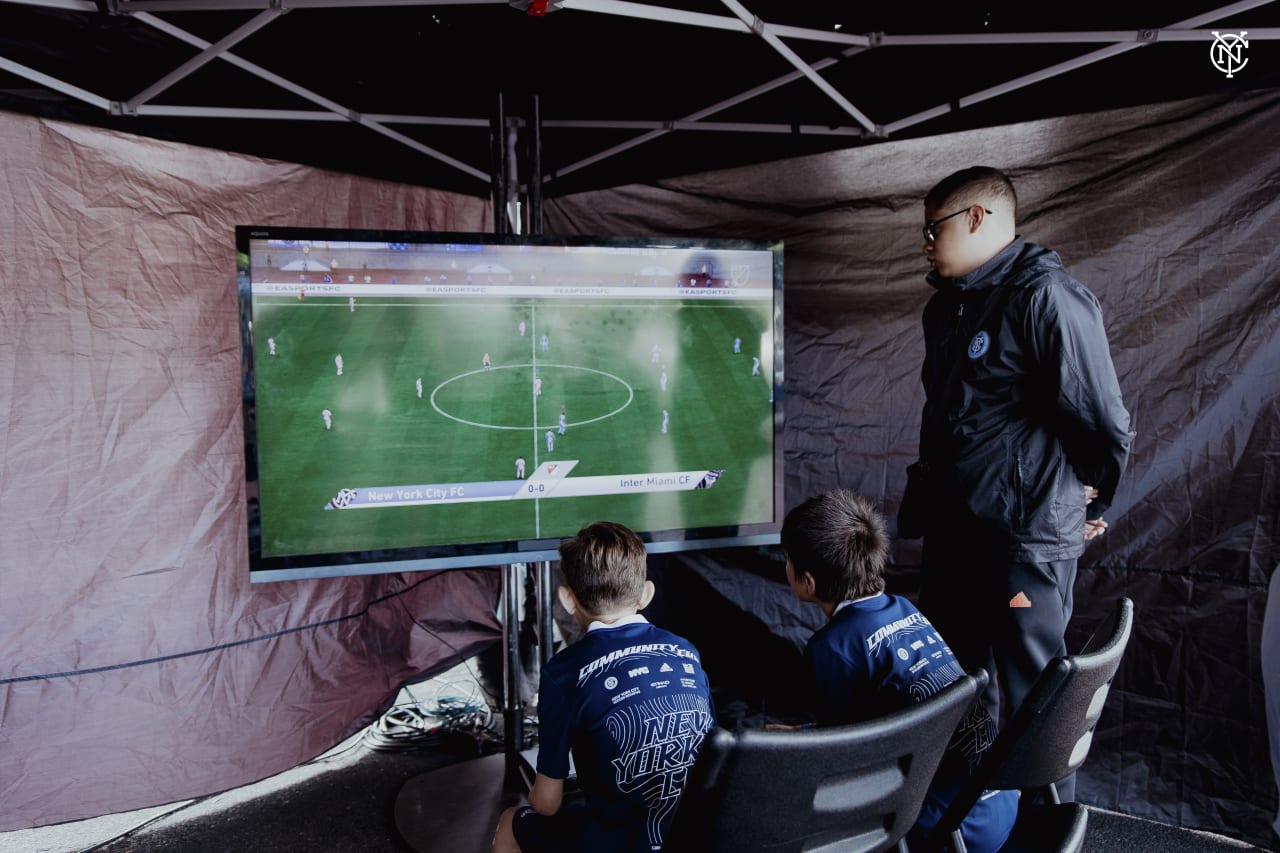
<point>421,400</point>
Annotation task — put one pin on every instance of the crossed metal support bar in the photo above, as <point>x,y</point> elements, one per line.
<point>741,20</point>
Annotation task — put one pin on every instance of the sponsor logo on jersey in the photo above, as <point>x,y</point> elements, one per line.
<point>626,694</point>
<point>907,624</point>
<point>610,683</point>
<point>638,650</point>
<point>666,667</point>
<point>640,670</point>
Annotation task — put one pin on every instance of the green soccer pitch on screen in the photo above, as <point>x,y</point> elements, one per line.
<point>420,400</point>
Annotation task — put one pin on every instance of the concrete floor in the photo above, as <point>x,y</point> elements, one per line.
<point>441,798</point>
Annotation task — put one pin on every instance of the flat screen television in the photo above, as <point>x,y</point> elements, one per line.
<point>428,400</point>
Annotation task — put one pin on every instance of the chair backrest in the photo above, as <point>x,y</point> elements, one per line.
<point>1050,733</point>
<point>851,788</point>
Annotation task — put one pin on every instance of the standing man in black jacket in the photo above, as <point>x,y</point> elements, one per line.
<point>1024,435</point>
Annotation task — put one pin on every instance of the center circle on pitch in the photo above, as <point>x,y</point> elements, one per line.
<point>631,394</point>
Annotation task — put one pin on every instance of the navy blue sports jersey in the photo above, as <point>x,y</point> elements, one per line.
<point>880,654</point>
<point>632,703</point>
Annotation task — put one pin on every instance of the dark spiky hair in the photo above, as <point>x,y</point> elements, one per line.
<point>839,538</point>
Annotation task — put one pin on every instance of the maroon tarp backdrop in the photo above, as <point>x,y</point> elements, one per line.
<point>1172,216</point>
<point>137,664</point>
<point>120,500</point>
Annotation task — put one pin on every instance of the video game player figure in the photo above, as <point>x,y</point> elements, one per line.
<point>551,441</point>
<point>519,467</point>
<point>418,383</point>
<point>328,418</point>
<point>271,346</point>
<point>337,360</point>
<point>665,420</point>
<point>601,701</point>
<point>563,423</point>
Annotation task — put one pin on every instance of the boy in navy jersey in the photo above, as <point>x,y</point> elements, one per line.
<point>629,701</point>
<point>877,653</point>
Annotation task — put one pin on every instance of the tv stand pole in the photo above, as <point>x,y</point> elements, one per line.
<point>456,808</point>
<point>512,706</point>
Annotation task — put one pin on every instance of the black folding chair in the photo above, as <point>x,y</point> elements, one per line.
<point>1046,739</point>
<point>855,788</point>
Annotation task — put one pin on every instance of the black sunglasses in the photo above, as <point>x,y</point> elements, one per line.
<point>929,233</point>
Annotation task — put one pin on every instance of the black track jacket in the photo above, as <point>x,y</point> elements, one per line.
<point>1022,406</point>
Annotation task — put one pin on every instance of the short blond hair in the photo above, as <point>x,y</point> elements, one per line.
<point>605,566</point>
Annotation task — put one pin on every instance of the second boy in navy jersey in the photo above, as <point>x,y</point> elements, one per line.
<point>878,654</point>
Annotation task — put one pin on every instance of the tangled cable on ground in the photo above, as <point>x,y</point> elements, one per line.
<point>420,724</point>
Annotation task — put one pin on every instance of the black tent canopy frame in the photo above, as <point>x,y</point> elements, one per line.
<point>739,18</point>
